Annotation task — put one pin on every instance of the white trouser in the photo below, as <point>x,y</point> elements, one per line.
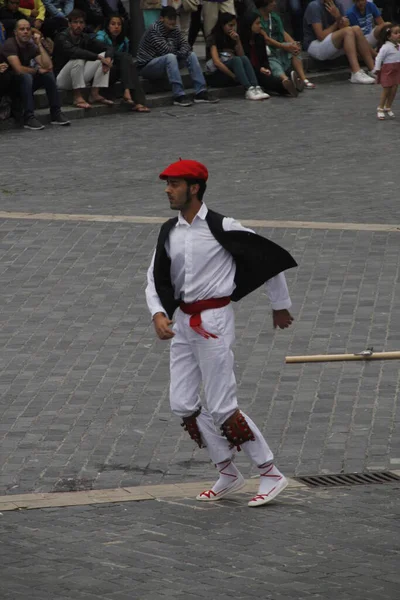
<point>211,10</point>
<point>78,73</point>
<point>195,360</point>
<point>184,22</point>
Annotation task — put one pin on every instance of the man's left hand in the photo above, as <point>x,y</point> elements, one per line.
<point>282,318</point>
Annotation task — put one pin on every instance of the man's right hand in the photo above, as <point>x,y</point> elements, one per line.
<point>106,62</point>
<point>162,326</point>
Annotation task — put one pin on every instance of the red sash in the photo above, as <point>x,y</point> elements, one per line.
<point>195,309</point>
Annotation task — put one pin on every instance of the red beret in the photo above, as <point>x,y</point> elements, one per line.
<point>185,169</point>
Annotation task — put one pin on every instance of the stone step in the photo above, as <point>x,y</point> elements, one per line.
<point>156,99</point>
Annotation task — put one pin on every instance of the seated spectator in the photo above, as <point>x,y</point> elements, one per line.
<point>228,62</point>
<point>57,12</point>
<point>368,18</point>
<point>34,11</point>
<point>284,52</point>
<point>32,69</point>
<point>327,35</point>
<point>255,49</point>
<point>9,15</point>
<point>96,12</point>
<point>123,67</point>
<point>160,51</point>
<point>6,83</point>
<point>80,60</point>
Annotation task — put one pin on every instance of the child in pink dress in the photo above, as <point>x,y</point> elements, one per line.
<point>387,68</point>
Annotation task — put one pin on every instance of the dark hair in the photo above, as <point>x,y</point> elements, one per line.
<point>121,37</point>
<point>169,12</point>
<point>76,14</point>
<point>218,34</point>
<point>385,34</point>
<point>246,23</point>
<point>202,186</point>
<point>262,3</point>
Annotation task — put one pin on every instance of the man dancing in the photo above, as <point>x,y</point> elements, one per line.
<point>203,261</point>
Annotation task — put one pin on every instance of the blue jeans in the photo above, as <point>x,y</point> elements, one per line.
<point>28,84</point>
<point>169,65</point>
<point>243,69</point>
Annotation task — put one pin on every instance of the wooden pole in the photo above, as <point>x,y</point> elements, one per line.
<point>337,357</point>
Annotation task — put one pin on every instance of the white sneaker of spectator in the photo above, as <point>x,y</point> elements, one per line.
<point>361,77</point>
<point>252,94</point>
<point>261,93</point>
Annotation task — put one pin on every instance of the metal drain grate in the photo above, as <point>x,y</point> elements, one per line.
<point>347,479</point>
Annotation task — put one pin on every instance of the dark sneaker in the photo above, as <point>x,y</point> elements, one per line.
<point>33,123</point>
<point>205,97</point>
<point>182,101</point>
<point>60,119</point>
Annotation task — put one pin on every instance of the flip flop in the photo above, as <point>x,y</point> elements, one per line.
<point>82,104</point>
<point>140,108</point>
<point>127,101</point>
<point>102,100</point>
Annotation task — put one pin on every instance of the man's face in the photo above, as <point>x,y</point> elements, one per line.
<point>169,23</point>
<point>177,192</point>
<point>12,5</point>
<point>77,26</point>
<point>361,5</point>
<point>23,32</point>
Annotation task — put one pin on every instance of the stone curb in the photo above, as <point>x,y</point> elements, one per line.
<point>155,100</point>
<point>128,494</point>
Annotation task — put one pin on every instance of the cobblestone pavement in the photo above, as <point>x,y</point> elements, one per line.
<point>323,156</point>
<point>83,382</point>
<point>332,544</point>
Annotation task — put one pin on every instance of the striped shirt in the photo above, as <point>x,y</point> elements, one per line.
<point>159,41</point>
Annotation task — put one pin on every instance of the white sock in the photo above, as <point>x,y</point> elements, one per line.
<point>228,474</point>
<point>270,476</point>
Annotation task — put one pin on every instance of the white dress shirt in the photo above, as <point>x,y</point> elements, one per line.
<point>201,268</point>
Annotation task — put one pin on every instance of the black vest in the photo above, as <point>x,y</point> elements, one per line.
<point>257,260</point>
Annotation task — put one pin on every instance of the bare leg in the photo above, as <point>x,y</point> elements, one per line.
<point>127,96</point>
<point>345,38</point>
<point>298,67</point>
<point>390,96</point>
<point>95,96</point>
<point>363,47</point>
<point>79,100</point>
<point>384,97</point>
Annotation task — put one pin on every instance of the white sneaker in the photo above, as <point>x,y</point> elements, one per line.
<point>261,93</point>
<point>361,77</point>
<point>251,94</point>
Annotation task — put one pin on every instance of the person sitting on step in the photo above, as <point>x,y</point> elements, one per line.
<point>123,68</point>
<point>80,60</point>
<point>162,50</point>
<point>228,63</point>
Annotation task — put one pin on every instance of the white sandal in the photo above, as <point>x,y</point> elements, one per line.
<point>308,84</point>
<point>380,113</point>
<point>389,113</point>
